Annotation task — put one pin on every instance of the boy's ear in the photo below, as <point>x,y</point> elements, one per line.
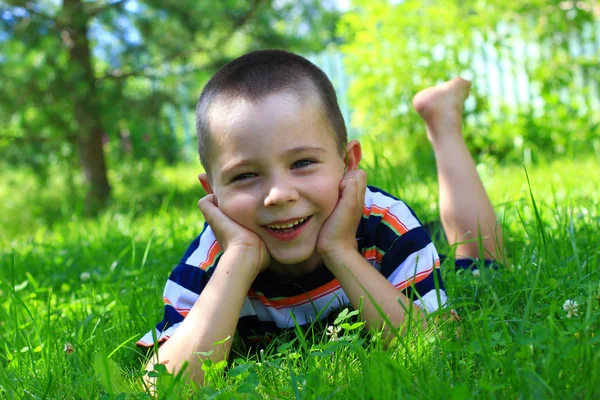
<point>205,182</point>
<point>353,155</point>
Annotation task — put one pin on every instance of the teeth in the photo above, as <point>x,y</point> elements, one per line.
<point>289,225</point>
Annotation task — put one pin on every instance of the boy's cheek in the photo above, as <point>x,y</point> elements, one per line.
<point>328,214</point>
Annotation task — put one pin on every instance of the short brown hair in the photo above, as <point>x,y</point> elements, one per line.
<point>258,74</point>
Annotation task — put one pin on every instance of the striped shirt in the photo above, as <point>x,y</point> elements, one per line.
<point>389,236</point>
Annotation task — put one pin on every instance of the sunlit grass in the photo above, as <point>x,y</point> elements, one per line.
<point>76,293</point>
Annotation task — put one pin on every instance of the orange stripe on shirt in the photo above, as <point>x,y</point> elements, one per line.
<point>373,253</point>
<point>213,253</point>
<point>418,277</point>
<point>374,209</point>
<point>387,217</point>
<point>414,280</point>
<point>144,344</point>
<point>297,300</point>
<point>395,222</point>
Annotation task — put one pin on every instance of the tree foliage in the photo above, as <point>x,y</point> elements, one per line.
<point>82,76</point>
<point>394,49</point>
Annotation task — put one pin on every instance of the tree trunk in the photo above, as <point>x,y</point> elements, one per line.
<point>87,112</point>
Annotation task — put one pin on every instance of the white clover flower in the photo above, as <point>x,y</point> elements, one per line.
<point>84,276</point>
<point>476,273</point>
<point>571,308</point>
<point>332,332</point>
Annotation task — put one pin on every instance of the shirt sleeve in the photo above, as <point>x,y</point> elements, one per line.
<point>409,259</point>
<point>185,283</point>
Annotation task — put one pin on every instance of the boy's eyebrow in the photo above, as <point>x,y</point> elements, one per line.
<point>233,166</point>
<point>306,149</point>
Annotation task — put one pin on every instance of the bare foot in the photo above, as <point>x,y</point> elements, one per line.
<point>441,107</point>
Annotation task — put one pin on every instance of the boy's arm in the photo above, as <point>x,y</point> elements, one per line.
<point>213,317</point>
<point>215,314</point>
<point>338,249</point>
<point>357,277</point>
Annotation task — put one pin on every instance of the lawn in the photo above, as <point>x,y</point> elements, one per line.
<point>76,293</point>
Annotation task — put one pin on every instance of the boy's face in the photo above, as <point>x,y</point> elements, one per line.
<point>273,164</point>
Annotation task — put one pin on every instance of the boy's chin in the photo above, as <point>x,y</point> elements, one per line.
<point>305,258</point>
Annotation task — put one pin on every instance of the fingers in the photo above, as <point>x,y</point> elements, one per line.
<point>348,187</point>
<point>220,223</point>
<point>230,233</point>
<point>224,228</point>
<point>211,198</point>
<point>340,228</point>
<point>208,207</point>
<point>361,181</point>
<point>353,187</point>
<point>359,177</point>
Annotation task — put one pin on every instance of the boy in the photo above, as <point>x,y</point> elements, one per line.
<point>291,226</point>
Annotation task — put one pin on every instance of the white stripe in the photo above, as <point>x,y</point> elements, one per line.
<point>379,199</point>
<point>247,308</point>
<point>429,301</point>
<point>397,208</point>
<point>417,262</point>
<point>261,311</point>
<point>201,253</point>
<point>304,313</point>
<point>179,297</point>
<point>147,339</point>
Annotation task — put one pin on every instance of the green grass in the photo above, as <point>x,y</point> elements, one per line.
<point>97,285</point>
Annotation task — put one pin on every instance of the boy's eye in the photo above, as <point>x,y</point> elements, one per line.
<point>302,163</point>
<point>243,177</point>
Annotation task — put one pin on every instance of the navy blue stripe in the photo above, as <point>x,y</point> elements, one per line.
<point>274,285</point>
<point>212,269</point>
<point>192,247</point>
<point>171,317</point>
<point>380,235</point>
<point>412,241</point>
<point>426,285</point>
<point>362,230</point>
<point>468,263</point>
<point>191,278</point>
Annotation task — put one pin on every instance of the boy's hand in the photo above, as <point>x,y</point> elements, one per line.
<point>232,235</point>
<point>339,231</point>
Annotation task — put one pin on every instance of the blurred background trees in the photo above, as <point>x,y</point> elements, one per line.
<point>535,66</point>
<point>90,84</point>
<point>81,77</point>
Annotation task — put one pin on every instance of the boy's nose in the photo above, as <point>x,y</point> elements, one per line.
<point>281,193</point>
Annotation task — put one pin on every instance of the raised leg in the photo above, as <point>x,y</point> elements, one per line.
<point>465,208</point>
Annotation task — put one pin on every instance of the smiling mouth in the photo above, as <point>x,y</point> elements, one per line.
<point>288,227</point>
